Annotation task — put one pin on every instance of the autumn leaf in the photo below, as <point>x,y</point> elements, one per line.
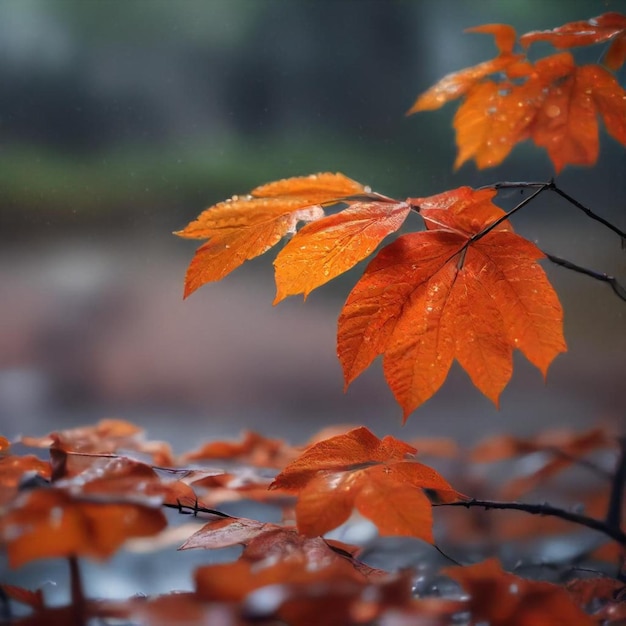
<point>552,101</point>
<point>431,297</point>
<point>503,599</point>
<point>47,523</point>
<point>457,84</point>
<point>253,449</point>
<point>244,227</point>
<point>322,250</point>
<point>108,436</point>
<point>358,470</point>
<point>561,450</point>
<point>583,33</point>
<point>265,541</point>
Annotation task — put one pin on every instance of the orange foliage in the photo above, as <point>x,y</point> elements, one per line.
<point>502,599</point>
<point>468,288</point>
<point>552,101</point>
<point>53,523</point>
<point>445,294</point>
<point>244,227</point>
<point>358,470</point>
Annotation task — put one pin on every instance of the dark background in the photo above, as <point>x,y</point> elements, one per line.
<point>121,121</point>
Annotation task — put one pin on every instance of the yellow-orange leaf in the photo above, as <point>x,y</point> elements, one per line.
<point>332,245</point>
<point>358,470</point>
<point>244,227</point>
<point>553,102</point>
<point>435,296</point>
<point>457,84</point>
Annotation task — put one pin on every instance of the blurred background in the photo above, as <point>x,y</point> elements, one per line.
<point>121,121</point>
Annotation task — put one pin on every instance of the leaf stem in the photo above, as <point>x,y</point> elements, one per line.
<point>620,290</point>
<point>601,526</point>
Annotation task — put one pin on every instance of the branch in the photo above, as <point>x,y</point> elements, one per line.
<point>188,509</point>
<point>540,189</point>
<point>616,499</point>
<point>551,185</point>
<point>545,509</point>
<point>619,290</point>
<point>591,214</point>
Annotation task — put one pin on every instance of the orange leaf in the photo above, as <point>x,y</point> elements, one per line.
<point>561,448</point>
<point>583,33</point>
<point>431,297</point>
<point>254,449</point>
<point>332,245</point>
<point>553,102</point>
<point>48,523</point>
<point>502,599</point>
<point>457,84</point>
<point>244,227</point>
<point>358,470</point>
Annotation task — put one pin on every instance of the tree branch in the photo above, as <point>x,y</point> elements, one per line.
<point>551,185</point>
<point>616,499</point>
<point>545,509</point>
<point>619,290</point>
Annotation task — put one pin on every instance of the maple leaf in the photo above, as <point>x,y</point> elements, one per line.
<point>322,250</point>
<point>244,227</point>
<point>443,294</point>
<point>503,599</point>
<point>583,33</point>
<point>358,470</point>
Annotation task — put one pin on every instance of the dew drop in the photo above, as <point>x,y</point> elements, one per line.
<point>553,111</point>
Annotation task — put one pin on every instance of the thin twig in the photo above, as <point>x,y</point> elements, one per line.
<point>550,184</point>
<point>193,509</point>
<point>614,511</point>
<point>515,209</point>
<point>547,510</point>
<point>590,213</point>
<point>619,290</point>
<point>446,556</point>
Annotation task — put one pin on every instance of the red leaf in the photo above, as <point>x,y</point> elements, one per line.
<point>358,470</point>
<point>434,296</point>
